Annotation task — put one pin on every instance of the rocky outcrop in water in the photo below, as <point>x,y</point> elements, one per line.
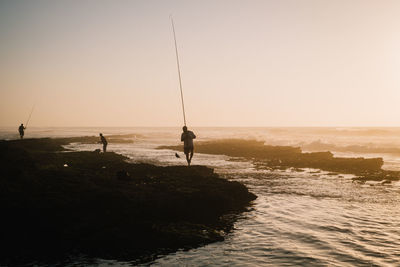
<point>282,157</point>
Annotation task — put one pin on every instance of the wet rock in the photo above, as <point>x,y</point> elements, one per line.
<point>123,175</point>
<point>283,157</point>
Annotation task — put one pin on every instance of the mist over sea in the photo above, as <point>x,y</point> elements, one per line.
<point>300,217</point>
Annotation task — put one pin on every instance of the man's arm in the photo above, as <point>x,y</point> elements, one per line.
<point>182,137</point>
<point>193,135</point>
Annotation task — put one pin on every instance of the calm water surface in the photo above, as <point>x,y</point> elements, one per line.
<point>299,218</point>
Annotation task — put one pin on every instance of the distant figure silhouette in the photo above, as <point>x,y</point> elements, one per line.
<point>187,139</point>
<point>21,130</point>
<point>104,141</point>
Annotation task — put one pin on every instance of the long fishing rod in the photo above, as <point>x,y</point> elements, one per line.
<point>30,114</point>
<point>179,71</point>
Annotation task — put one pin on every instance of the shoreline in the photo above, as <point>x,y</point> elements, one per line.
<point>57,204</point>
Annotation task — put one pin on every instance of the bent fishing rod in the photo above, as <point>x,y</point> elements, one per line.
<point>179,71</point>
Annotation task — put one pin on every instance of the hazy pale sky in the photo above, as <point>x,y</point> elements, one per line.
<point>243,63</point>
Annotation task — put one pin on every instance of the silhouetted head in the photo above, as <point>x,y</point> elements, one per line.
<point>184,128</point>
<point>101,134</point>
<point>22,124</point>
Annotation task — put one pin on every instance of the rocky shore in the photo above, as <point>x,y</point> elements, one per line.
<point>55,202</point>
<point>283,157</point>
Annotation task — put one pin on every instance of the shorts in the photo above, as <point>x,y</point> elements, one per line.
<point>188,150</point>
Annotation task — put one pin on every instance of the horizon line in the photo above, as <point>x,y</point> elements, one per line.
<point>202,126</point>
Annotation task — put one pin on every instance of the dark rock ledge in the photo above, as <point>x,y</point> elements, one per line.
<point>55,203</point>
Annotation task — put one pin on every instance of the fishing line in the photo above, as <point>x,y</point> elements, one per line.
<point>179,71</point>
<point>26,124</point>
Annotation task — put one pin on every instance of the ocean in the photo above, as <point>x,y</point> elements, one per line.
<point>307,217</point>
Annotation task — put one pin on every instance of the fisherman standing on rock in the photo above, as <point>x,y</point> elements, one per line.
<point>104,141</point>
<point>187,139</point>
<point>21,130</point>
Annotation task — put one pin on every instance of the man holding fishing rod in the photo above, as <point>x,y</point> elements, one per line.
<point>187,139</point>
<point>187,136</point>
<point>21,130</point>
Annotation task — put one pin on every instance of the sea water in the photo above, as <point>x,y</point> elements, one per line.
<point>307,217</point>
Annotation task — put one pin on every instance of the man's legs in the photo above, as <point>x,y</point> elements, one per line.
<point>104,148</point>
<point>187,158</point>
<point>186,151</point>
<point>191,155</point>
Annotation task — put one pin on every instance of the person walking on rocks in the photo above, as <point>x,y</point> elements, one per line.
<point>188,148</point>
<point>104,141</point>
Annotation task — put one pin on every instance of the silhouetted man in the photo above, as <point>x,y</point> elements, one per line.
<point>104,141</point>
<point>187,139</point>
<point>21,130</point>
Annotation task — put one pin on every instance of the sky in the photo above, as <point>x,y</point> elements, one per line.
<point>243,63</point>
